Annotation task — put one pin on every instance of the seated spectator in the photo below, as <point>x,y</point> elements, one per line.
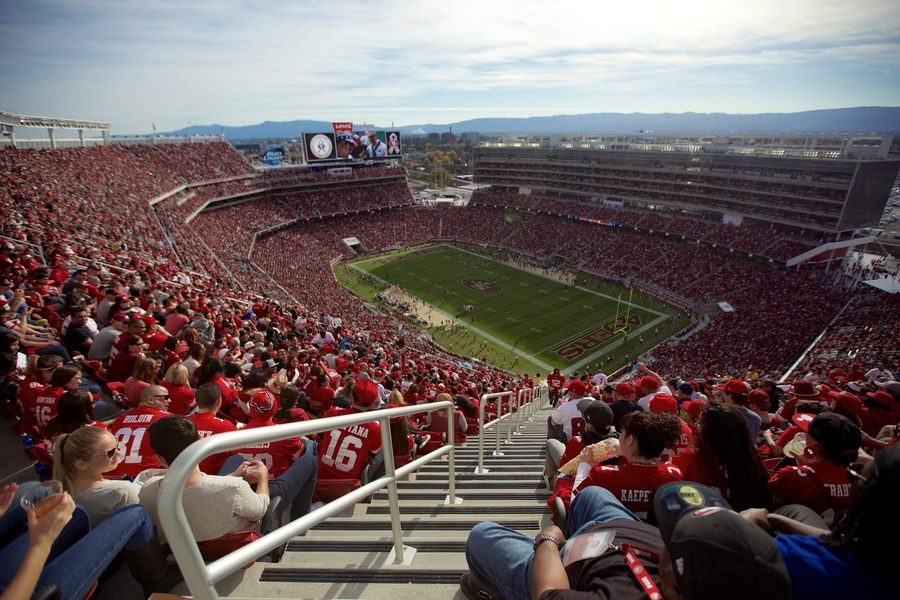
<point>806,410</point>
<point>821,481</point>
<point>212,371</point>
<point>737,394</point>
<point>209,401</point>
<point>74,410</point>
<point>130,428</point>
<point>61,549</point>
<point>81,458</point>
<point>568,416</point>
<point>144,374</point>
<point>703,551</point>
<point>196,352</point>
<point>345,452</point>
<point>624,402</point>
<point>122,365</point>
<point>78,337</point>
<point>318,391</point>
<point>855,559</point>
<point>101,347</point>
<point>218,505</point>
<point>37,377</point>
<point>666,403</point>
<point>643,438</point>
<point>180,393</point>
<point>598,427</point>
<point>64,379</point>
<point>288,411</point>
<point>724,458</point>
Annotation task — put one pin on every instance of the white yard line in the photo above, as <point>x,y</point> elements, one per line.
<point>472,328</point>
<point>577,287</point>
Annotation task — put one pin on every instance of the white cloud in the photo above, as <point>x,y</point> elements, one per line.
<point>241,62</point>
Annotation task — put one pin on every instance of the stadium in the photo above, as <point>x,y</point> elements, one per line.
<point>664,278</point>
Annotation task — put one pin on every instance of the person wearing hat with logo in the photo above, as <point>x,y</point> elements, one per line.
<point>873,409</point>
<point>345,452</point>
<point>806,410</point>
<point>737,394</point>
<point>800,390</point>
<point>623,402</point>
<point>345,145</point>
<point>699,550</point>
<point>821,481</point>
<point>567,415</point>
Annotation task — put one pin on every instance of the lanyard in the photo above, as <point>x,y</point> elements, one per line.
<point>637,569</point>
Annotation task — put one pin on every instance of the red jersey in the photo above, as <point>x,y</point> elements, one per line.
<point>208,424</point>
<point>295,415</point>
<point>135,454</point>
<point>683,443</point>
<point>573,448</point>
<point>44,408</point>
<point>631,484</point>
<point>229,394</point>
<point>29,390</point>
<point>820,486</point>
<point>319,398</point>
<point>555,382</point>
<point>277,456</point>
<point>695,470</point>
<point>181,398</point>
<point>343,452</point>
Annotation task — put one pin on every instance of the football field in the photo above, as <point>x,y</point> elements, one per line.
<point>504,310</point>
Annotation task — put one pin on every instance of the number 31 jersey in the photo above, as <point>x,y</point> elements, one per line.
<point>135,453</point>
<point>343,452</point>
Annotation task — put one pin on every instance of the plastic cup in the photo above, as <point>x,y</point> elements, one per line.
<point>42,498</point>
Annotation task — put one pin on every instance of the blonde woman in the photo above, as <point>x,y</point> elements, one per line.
<point>144,374</point>
<point>80,460</point>
<point>181,396</point>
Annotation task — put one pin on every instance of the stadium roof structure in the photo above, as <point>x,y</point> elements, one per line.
<point>886,285</point>
<point>10,121</point>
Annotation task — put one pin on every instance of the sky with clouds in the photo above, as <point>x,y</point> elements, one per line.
<point>417,61</point>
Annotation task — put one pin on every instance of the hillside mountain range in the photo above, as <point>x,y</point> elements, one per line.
<point>863,119</point>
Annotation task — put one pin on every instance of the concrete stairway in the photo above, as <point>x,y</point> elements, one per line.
<point>351,555</point>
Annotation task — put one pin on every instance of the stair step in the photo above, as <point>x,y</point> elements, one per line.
<point>471,495</point>
<point>312,545</point>
<point>459,509</point>
<point>418,525</point>
<point>350,575</point>
<point>474,485</point>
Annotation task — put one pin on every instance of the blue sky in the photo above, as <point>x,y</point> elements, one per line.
<point>137,63</point>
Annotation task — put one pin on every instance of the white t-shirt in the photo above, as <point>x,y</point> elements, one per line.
<point>107,497</point>
<point>565,413</point>
<point>875,373</point>
<point>215,506</point>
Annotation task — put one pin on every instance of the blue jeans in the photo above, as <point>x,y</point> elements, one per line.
<point>501,559</point>
<point>296,485</point>
<point>79,555</point>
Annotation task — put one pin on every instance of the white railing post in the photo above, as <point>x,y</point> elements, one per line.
<point>451,471</point>
<point>199,576</point>
<point>499,424</point>
<point>393,497</point>
<point>481,427</point>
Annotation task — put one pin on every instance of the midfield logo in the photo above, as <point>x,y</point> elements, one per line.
<point>482,285</point>
<point>595,338</point>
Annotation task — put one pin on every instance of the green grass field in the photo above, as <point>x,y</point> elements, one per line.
<point>519,320</point>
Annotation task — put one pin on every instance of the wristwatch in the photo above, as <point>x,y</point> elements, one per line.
<point>545,537</point>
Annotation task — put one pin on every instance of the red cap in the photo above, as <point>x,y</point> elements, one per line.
<point>693,407</point>
<point>759,397</point>
<point>648,383</point>
<point>881,397</point>
<point>119,316</point>
<point>366,392</point>
<point>577,389</point>
<point>736,386</point>
<point>148,320</point>
<point>624,389</point>
<point>262,403</point>
<point>664,403</point>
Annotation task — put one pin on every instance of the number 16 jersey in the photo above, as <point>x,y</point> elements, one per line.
<point>343,453</point>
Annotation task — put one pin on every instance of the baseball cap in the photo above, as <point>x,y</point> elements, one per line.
<point>737,387</point>
<point>346,137</point>
<point>262,403</point>
<point>118,316</point>
<point>648,382</point>
<point>577,389</point>
<point>715,551</point>
<point>249,345</point>
<point>663,403</point>
<point>600,416</point>
<point>366,392</point>
<point>759,397</point>
<point>624,389</point>
<point>837,434</point>
<point>693,407</point>
<point>881,397</point>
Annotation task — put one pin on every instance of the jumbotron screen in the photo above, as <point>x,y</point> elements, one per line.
<point>343,144</point>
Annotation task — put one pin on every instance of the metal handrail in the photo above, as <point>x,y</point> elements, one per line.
<point>200,577</point>
<point>496,422</point>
